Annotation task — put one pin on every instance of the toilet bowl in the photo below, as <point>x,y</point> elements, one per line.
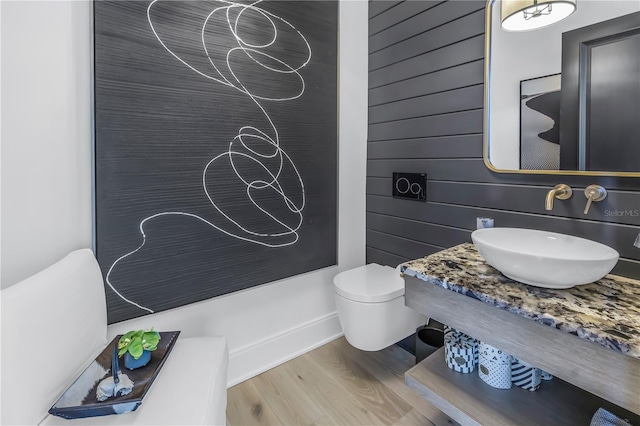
<point>371,309</point>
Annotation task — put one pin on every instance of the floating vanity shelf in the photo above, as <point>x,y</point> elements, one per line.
<point>469,401</point>
<point>588,336</point>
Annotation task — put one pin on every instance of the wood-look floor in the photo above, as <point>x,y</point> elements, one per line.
<point>335,384</point>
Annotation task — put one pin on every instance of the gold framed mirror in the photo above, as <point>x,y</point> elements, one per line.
<point>548,103</point>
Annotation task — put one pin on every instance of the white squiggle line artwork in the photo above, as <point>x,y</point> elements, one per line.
<point>245,134</point>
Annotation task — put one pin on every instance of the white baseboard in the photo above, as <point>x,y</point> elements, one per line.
<point>260,356</point>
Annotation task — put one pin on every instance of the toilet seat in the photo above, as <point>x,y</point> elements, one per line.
<point>371,283</point>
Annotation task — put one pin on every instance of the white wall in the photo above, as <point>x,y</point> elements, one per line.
<point>46,149</point>
<point>46,196</point>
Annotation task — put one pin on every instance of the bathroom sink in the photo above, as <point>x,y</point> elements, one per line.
<point>544,259</point>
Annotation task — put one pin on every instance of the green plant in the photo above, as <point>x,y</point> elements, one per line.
<point>137,341</point>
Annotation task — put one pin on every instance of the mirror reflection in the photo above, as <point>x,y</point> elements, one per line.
<point>566,97</point>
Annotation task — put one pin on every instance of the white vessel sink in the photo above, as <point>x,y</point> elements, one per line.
<point>544,259</point>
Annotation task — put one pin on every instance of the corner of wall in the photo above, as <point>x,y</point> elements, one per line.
<point>353,92</point>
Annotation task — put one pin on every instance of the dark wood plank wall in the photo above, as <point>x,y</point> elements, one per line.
<point>426,88</point>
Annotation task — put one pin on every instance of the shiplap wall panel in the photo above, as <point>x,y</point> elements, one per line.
<point>426,117</point>
<point>436,147</point>
<point>470,169</point>
<point>419,23</point>
<point>471,97</point>
<point>508,197</point>
<point>400,14</point>
<point>376,7</point>
<point>403,247</point>
<point>383,257</point>
<point>626,269</point>
<point>449,56</point>
<point>416,230</point>
<point>437,169</point>
<point>616,235</point>
<point>413,233</point>
<point>449,79</point>
<point>465,27</point>
<point>439,125</point>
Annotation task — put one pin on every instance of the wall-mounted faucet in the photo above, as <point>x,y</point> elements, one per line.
<point>561,192</point>
<point>594,193</point>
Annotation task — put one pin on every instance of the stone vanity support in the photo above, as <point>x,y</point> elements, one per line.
<point>588,336</point>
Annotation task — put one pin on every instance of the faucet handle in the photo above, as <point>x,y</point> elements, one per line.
<point>594,193</point>
<point>563,191</point>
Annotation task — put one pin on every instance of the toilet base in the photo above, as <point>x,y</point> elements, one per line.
<point>375,326</point>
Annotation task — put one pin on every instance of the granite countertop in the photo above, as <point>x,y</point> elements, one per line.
<point>605,312</point>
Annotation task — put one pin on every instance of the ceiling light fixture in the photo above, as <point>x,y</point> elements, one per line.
<point>523,15</point>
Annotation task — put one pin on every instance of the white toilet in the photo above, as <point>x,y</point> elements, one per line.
<point>370,302</point>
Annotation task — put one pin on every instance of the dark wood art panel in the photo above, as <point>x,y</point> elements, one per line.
<point>216,147</point>
<point>426,72</point>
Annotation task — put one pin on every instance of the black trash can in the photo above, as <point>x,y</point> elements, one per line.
<point>429,338</point>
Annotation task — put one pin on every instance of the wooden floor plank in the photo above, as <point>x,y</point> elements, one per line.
<point>389,362</point>
<point>245,406</point>
<point>288,400</point>
<point>324,421</point>
<point>335,384</point>
<point>380,400</point>
<point>389,366</point>
<point>413,418</point>
<point>338,403</point>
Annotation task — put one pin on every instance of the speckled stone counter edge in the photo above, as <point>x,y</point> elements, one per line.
<point>606,312</point>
